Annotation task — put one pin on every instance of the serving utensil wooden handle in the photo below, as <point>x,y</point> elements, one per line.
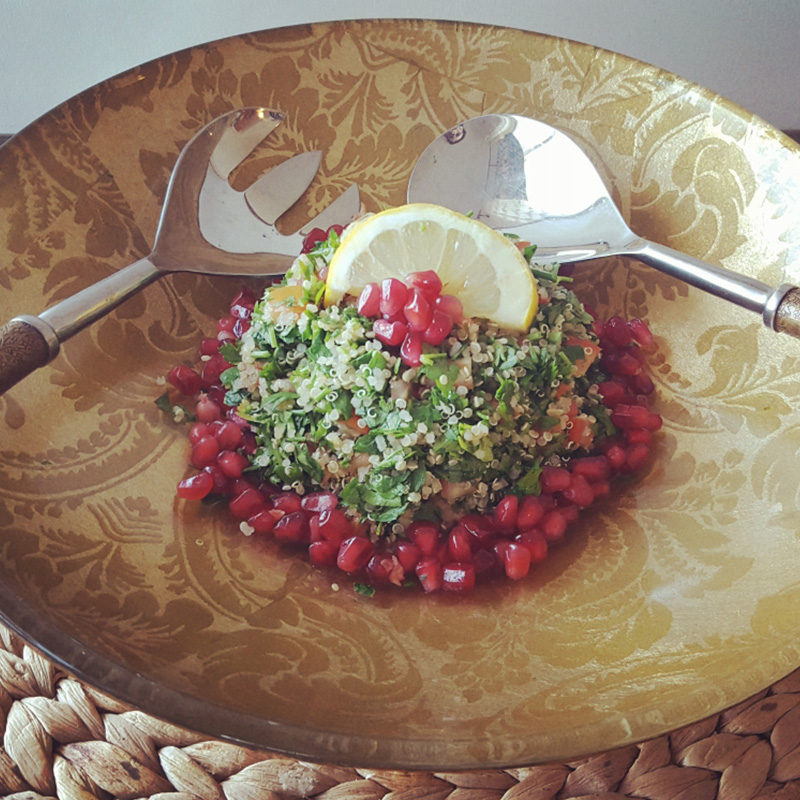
<point>25,345</point>
<point>787,316</point>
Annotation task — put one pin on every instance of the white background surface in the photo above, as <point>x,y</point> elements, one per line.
<point>747,50</point>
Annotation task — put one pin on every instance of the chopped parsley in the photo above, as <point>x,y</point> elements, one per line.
<point>332,407</point>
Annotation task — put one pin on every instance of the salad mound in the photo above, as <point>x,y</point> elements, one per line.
<point>403,442</point>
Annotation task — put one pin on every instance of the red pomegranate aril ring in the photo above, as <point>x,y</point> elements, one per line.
<point>205,452</point>
<point>262,522</point>
<point>505,513</point>
<point>322,554</point>
<point>369,301</point>
<point>555,479</point>
<point>408,554</point>
<point>312,239</point>
<point>394,294</point>
<point>425,535</point>
<point>185,380</point>
<point>530,513</point>
<point>293,528</point>
<point>354,554</point>
<point>288,502</point>
<point>196,487</point>
<point>428,282</point>
<point>232,464</point>
<point>317,502</point>
<point>459,544</point>
<point>418,311</point>
<point>618,332</point>
<point>207,410</point>
<point>247,503</point>
<point>390,333</point>
<point>517,561</point>
<point>332,525</point>
<point>229,435</point>
<point>450,305</point>
<point>439,328</point>
<point>458,577</point>
<point>429,572</point>
<point>411,349</point>
<point>642,334</point>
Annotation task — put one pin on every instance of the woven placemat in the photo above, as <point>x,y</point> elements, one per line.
<point>64,739</point>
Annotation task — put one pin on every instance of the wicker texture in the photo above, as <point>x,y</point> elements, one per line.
<point>64,739</point>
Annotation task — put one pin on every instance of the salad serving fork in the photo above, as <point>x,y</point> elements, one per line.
<point>206,226</point>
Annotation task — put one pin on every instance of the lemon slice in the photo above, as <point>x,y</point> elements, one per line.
<point>478,265</point>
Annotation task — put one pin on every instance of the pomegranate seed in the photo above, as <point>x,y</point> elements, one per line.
<point>229,435</point>
<point>185,380</point>
<point>642,384</point>
<point>333,525</point>
<point>483,561</point>
<point>643,335</point>
<point>638,436</point>
<point>226,324</point>
<point>243,304</point>
<point>570,512</point>
<point>231,463</point>
<point>630,416</point>
<point>618,332</point>
<point>249,444</point>
<point>451,306</point>
<point>322,554</point>
<point>593,468</point>
<point>240,328</point>
<point>615,455</point>
<point>209,347</point>
<point>247,504</point>
<point>554,525</point>
<point>654,422</point>
<point>417,311</point>
<point>390,333</point>
<point>207,410</point>
<point>262,522</point>
<point>428,282</point>
<point>319,501</point>
<point>394,294</point>
<point>579,491</point>
<point>204,452</point>
<point>198,431</point>
<point>601,489</point>
<point>439,329</point>
<point>481,527</point>
<point>369,301</point>
<point>292,528</point>
<point>530,512</point>
<point>312,239</point>
<point>505,513</point>
<point>354,554</point>
<point>554,479</point>
<point>516,560</point>
<point>458,576</point>
<point>222,483</point>
<point>429,573</point>
<point>196,487</point>
<point>612,392</point>
<point>458,544</point>
<point>499,548</point>
<point>383,568</point>
<point>425,535</point>
<point>621,363</point>
<point>287,501</point>
<point>636,456</point>
<point>408,554</point>
<point>536,544</point>
<point>411,349</point>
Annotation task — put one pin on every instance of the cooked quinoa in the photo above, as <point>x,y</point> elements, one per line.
<point>334,408</point>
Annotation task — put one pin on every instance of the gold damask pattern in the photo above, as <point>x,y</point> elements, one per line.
<point>679,596</point>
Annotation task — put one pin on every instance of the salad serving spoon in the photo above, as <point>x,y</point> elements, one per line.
<point>521,176</point>
<point>206,226</point>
